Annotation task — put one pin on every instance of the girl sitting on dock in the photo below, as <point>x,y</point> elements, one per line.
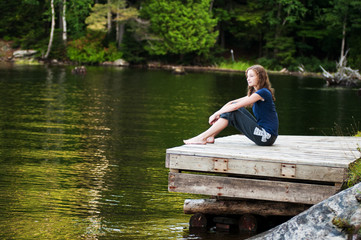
<point>262,130</point>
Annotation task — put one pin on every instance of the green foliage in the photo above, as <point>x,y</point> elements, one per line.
<point>354,173</point>
<point>241,66</point>
<point>89,49</point>
<point>343,224</point>
<point>281,33</point>
<point>97,20</point>
<point>180,27</point>
<point>133,49</point>
<point>269,63</point>
<point>58,50</point>
<point>354,56</point>
<point>283,12</point>
<point>312,64</point>
<point>354,169</point>
<point>15,24</point>
<point>77,11</point>
<point>284,49</point>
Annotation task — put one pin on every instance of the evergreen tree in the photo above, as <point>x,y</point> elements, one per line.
<point>343,16</point>
<point>280,16</point>
<point>180,27</point>
<point>98,20</point>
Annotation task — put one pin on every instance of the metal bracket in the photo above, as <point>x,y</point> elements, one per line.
<point>288,170</point>
<point>220,165</point>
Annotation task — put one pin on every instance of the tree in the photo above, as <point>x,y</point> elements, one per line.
<point>180,27</point>
<point>246,22</point>
<point>279,16</point>
<point>98,20</point>
<point>52,29</point>
<point>342,16</point>
<point>64,35</point>
<point>77,12</point>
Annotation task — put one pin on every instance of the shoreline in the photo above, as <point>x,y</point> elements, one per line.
<point>177,69</point>
<point>217,69</point>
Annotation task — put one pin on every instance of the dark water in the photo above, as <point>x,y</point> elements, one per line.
<point>82,157</point>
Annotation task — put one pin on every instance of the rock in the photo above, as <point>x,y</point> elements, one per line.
<point>179,70</point>
<point>284,70</point>
<point>154,65</point>
<point>79,70</point>
<point>24,53</point>
<point>316,222</point>
<point>358,196</point>
<point>356,218</point>
<point>301,68</point>
<point>107,63</point>
<point>120,62</point>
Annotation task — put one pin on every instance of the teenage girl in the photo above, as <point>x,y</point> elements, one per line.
<point>261,129</point>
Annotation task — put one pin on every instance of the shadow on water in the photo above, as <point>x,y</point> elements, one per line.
<point>83,156</point>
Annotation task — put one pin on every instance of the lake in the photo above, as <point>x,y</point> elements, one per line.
<point>83,156</point>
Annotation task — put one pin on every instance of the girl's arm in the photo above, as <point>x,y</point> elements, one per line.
<point>234,101</point>
<point>234,105</point>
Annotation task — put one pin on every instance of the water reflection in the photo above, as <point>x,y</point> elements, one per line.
<point>83,156</point>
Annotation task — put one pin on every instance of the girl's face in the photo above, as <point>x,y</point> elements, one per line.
<point>252,78</point>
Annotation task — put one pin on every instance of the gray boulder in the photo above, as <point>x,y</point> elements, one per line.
<point>317,221</point>
<point>120,62</point>
<point>24,53</point>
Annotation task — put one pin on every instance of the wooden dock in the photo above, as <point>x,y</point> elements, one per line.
<point>295,170</point>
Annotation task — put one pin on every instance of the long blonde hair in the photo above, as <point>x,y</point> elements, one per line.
<point>263,80</point>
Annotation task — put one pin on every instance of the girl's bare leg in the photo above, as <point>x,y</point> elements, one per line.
<point>208,136</point>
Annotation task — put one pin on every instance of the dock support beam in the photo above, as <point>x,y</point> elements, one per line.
<point>239,207</point>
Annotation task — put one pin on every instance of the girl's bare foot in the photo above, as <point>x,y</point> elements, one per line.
<point>210,140</point>
<point>195,140</point>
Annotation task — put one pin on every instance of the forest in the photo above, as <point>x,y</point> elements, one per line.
<point>275,33</point>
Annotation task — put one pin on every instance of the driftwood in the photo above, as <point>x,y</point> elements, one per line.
<point>344,76</point>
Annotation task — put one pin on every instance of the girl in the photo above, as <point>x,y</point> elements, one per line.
<point>262,130</point>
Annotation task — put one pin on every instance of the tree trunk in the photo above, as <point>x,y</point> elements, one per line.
<point>65,36</point>
<point>60,15</point>
<point>117,28</point>
<point>277,32</point>
<point>260,45</point>
<point>120,33</point>
<point>343,37</point>
<point>109,18</point>
<point>52,29</point>
<point>211,6</point>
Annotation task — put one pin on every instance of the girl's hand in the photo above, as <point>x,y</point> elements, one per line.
<point>213,119</point>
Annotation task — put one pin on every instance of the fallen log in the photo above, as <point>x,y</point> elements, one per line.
<point>344,76</point>
<point>233,207</point>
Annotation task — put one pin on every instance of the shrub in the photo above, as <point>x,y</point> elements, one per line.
<point>90,49</point>
<point>312,64</point>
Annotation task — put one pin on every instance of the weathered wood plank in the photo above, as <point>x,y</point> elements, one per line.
<point>249,188</point>
<point>332,159</point>
<point>306,150</point>
<point>259,207</point>
<point>256,168</point>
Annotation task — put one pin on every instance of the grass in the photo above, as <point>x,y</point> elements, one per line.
<point>354,169</point>
<point>241,65</point>
<point>25,61</point>
<point>354,173</point>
